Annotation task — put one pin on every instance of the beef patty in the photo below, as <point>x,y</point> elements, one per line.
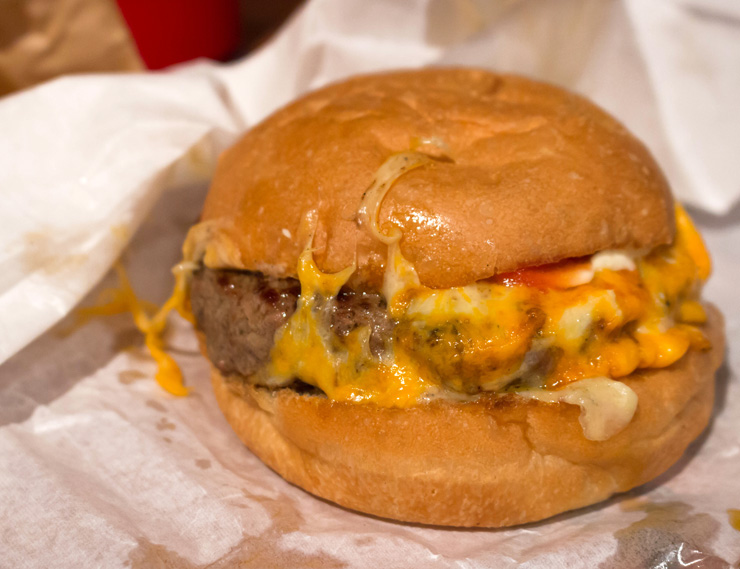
<point>240,311</point>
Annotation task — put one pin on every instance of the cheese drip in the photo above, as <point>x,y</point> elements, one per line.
<point>206,243</point>
<point>149,320</point>
<point>344,369</point>
<point>734,517</point>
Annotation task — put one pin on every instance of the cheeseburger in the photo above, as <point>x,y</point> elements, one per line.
<point>452,297</point>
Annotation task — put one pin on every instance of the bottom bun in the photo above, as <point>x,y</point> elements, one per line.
<point>498,461</point>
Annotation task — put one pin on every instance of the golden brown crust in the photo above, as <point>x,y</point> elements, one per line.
<point>539,174</point>
<point>497,462</point>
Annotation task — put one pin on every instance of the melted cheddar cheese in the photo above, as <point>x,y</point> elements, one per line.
<point>605,316</point>
<point>534,329</point>
<point>344,368</point>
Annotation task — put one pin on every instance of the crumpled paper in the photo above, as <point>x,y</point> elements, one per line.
<point>101,468</point>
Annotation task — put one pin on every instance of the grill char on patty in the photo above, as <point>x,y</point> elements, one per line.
<point>240,311</point>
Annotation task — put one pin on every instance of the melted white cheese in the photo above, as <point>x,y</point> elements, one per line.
<point>207,243</point>
<point>576,321</point>
<point>607,406</point>
<point>613,261</point>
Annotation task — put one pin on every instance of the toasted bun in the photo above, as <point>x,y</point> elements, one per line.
<point>497,462</point>
<point>535,174</point>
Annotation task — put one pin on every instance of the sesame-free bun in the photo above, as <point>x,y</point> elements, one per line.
<point>496,462</point>
<point>528,174</point>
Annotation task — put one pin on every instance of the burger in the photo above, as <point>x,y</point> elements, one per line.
<point>452,297</point>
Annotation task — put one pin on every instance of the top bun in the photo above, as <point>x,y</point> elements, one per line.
<point>532,174</point>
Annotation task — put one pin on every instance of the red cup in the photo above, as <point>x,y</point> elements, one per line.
<point>172,31</point>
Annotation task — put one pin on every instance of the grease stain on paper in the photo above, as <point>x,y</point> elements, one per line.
<point>263,551</point>
<point>128,376</point>
<point>156,405</point>
<point>670,536</point>
<point>42,253</point>
<point>148,555</point>
<point>121,233</point>
<point>165,424</point>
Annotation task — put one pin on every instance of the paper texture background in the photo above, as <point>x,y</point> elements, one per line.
<point>101,468</point>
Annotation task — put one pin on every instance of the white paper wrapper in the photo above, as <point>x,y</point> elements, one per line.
<point>101,468</point>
